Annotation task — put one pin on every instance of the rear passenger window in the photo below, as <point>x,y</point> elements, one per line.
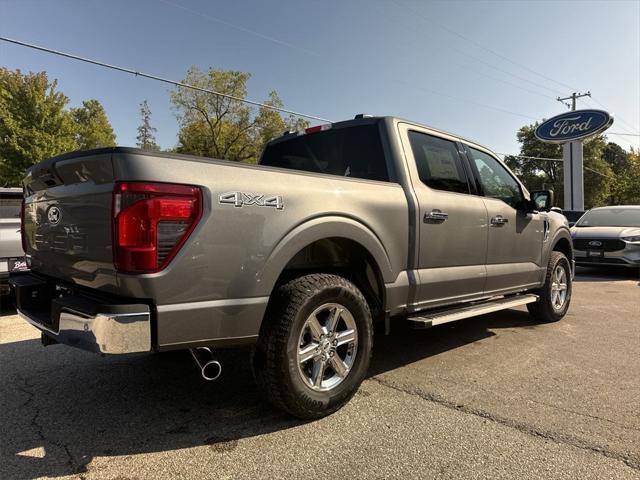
<point>439,164</point>
<point>349,152</point>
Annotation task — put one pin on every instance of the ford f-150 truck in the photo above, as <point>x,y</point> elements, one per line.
<point>339,226</point>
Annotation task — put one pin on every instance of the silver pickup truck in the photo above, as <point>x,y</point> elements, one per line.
<point>338,227</point>
<point>11,253</point>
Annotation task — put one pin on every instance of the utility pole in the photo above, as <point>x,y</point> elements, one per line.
<point>573,97</point>
<point>573,164</point>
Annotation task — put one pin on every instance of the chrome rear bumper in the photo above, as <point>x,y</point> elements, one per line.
<point>105,333</point>
<point>103,327</point>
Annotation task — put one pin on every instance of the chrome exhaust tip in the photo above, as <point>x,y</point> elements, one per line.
<point>210,368</point>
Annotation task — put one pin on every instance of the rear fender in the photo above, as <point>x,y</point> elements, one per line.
<point>318,229</point>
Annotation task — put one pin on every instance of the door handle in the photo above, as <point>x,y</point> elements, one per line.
<point>499,220</point>
<point>435,216</point>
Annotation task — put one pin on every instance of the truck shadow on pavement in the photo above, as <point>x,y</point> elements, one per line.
<point>62,407</point>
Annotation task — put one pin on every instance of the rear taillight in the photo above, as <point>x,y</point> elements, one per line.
<point>23,237</point>
<point>151,222</point>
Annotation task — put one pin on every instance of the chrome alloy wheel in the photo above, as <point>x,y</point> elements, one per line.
<point>327,347</point>
<point>558,287</point>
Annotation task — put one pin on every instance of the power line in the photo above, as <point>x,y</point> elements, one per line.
<point>498,69</point>
<point>599,173</point>
<point>466,100</point>
<point>531,158</point>
<point>281,42</point>
<point>554,160</point>
<point>484,47</point>
<point>626,125</point>
<point>574,98</point>
<point>161,79</point>
<point>493,52</point>
<point>250,102</point>
<point>231,97</point>
<point>502,80</point>
<point>206,16</point>
<point>213,92</point>
<point>623,138</point>
<point>479,60</point>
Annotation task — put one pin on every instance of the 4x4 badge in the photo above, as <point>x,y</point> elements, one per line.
<point>240,199</point>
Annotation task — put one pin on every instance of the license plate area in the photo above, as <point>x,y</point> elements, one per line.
<point>17,265</point>
<point>595,253</point>
<point>13,265</point>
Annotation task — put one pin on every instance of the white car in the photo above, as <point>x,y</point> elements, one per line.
<point>608,236</point>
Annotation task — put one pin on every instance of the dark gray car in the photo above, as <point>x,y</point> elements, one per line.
<point>372,219</point>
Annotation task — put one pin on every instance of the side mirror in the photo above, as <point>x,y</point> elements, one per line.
<point>542,200</point>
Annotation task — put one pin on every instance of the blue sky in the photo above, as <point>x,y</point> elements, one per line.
<point>463,66</point>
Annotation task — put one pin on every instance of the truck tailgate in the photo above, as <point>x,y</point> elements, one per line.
<point>68,218</point>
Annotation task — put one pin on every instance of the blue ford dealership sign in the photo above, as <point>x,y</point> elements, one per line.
<point>574,125</point>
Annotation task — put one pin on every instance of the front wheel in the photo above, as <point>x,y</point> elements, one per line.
<point>315,345</point>
<point>555,294</point>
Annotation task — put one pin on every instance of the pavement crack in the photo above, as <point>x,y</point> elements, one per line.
<point>35,423</point>
<point>587,415</point>
<point>556,437</point>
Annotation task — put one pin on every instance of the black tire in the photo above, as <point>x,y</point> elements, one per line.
<point>544,310</point>
<point>275,359</point>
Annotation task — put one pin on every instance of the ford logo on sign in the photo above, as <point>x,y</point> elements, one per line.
<point>573,126</point>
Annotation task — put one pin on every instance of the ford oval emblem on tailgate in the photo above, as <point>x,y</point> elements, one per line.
<point>595,243</point>
<point>54,215</point>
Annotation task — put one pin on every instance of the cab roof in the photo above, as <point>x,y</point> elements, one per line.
<point>369,119</point>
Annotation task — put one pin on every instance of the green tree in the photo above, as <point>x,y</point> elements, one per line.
<point>538,174</point>
<point>92,126</point>
<point>219,127</point>
<point>626,187</point>
<point>548,174</point>
<point>146,138</point>
<point>630,189</point>
<point>34,124</point>
<point>598,176</point>
<point>615,156</point>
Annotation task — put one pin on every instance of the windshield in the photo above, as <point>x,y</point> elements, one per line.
<point>350,152</point>
<point>611,217</point>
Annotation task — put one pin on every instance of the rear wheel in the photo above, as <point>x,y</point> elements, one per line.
<point>315,345</point>
<point>555,294</point>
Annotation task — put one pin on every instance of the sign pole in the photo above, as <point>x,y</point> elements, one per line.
<point>572,156</point>
<point>573,163</point>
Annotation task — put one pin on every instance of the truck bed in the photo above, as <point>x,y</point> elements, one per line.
<point>235,254</point>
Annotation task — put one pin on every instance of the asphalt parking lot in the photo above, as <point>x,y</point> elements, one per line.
<point>492,397</point>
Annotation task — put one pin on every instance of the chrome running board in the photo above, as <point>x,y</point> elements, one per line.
<point>431,319</point>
